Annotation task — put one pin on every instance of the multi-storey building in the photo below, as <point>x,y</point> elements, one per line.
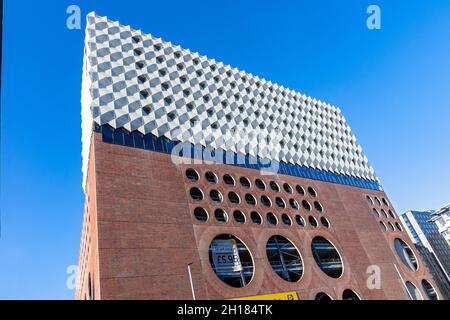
<point>431,245</point>
<point>442,219</point>
<point>205,181</point>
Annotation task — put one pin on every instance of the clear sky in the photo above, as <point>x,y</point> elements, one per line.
<point>393,86</point>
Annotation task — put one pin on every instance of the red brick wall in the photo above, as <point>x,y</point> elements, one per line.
<point>147,234</point>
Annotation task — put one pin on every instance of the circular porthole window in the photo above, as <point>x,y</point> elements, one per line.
<point>233,197</point>
<point>228,180</point>
<point>260,184</point>
<point>300,190</point>
<point>271,219</point>
<point>192,175</point>
<point>312,221</point>
<point>284,258</point>
<point>324,222</point>
<point>399,227</point>
<point>231,260</point>
<point>321,296</point>
<point>196,194</point>
<point>216,196</point>
<point>350,295</point>
<point>369,200</point>
<point>382,226</point>
<point>306,205</point>
<point>376,213</point>
<point>256,217</point>
<point>385,202</point>
<point>280,202</point>
<point>294,204</point>
<point>266,201</point>
<point>239,217</point>
<point>377,201</point>
<point>405,254</point>
<point>287,187</point>
<point>391,227</point>
<point>300,221</point>
<point>414,293</point>
<point>384,213</point>
<point>245,182</point>
<point>274,186</point>
<point>200,214</point>
<point>391,214</point>
<point>312,192</point>
<point>429,290</point>
<point>221,215</point>
<point>286,219</point>
<point>327,257</point>
<point>211,177</point>
<point>318,206</point>
<point>250,199</point>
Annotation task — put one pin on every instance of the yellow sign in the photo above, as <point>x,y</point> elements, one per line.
<point>276,296</point>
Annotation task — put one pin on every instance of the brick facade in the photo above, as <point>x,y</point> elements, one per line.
<point>142,234</point>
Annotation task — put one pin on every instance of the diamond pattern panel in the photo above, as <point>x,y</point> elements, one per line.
<point>136,81</point>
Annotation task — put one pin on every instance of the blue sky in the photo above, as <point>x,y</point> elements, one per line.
<point>393,86</point>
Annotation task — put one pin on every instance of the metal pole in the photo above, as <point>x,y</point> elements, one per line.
<point>190,280</point>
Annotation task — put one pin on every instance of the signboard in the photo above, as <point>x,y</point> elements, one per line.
<point>225,256</point>
<point>276,296</point>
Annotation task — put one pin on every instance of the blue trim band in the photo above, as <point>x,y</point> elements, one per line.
<point>150,142</point>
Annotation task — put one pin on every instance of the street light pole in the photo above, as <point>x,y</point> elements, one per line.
<point>190,280</point>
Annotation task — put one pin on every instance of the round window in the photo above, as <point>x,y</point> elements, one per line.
<point>271,219</point>
<point>324,222</point>
<point>274,186</point>
<point>321,296</point>
<point>250,199</point>
<point>327,257</point>
<point>284,258</point>
<point>287,187</point>
<point>429,290</point>
<point>196,194</point>
<point>228,180</point>
<point>300,221</point>
<point>318,206</point>
<point>211,177</point>
<point>266,201</point>
<point>200,214</point>
<point>216,196</point>
<point>239,217</point>
<point>280,202</point>
<point>245,182</point>
<point>191,174</point>
<point>231,260</point>
<point>256,217</point>
<point>414,293</point>
<point>350,295</point>
<point>405,254</point>
<point>300,190</point>
<point>260,184</point>
<point>306,205</point>
<point>221,215</point>
<point>293,203</point>
<point>312,192</point>
<point>286,219</point>
<point>312,221</point>
<point>233,197</point>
